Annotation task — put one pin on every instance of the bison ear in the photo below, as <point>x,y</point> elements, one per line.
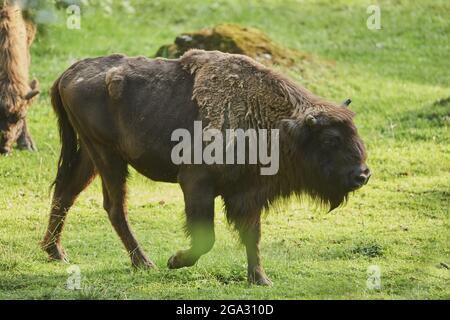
<point>346,103</point>
<point>289,125</point>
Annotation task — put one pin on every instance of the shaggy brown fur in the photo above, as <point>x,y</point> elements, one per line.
<point>117,111</point>
<point>234,91</point>
<point>16,92</point>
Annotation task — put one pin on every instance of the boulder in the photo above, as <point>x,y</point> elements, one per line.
<point>232,38</point>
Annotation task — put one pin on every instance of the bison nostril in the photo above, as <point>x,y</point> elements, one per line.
<point>361,179</point>
<point>4,150</point>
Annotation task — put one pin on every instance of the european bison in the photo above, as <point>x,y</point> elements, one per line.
<point>16,92</point>
<point>115,110</point>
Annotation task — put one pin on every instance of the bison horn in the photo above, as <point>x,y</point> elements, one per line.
<point>346,103</point>
<point>31,94</point>
<point>310,120</point>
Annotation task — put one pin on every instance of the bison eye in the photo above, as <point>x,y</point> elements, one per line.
<point>332,141</point>
<point>13,119</point>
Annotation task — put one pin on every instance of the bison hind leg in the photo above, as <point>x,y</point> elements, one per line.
<point>67,189</point>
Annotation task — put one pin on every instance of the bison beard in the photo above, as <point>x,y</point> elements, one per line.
<point>114,111</point>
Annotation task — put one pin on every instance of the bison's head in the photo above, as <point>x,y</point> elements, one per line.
<point>10,128</point>
<point>328,153</point>
<point>12,112</point>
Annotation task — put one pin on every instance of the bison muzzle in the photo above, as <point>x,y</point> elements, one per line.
<point>117,111</point>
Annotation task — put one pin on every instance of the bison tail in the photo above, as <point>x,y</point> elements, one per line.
<point>67,134</point>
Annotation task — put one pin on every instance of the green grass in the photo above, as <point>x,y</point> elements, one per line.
<point>399,221</point>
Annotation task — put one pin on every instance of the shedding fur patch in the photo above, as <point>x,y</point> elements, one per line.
<point>115,81</point>
<point>234,91</point>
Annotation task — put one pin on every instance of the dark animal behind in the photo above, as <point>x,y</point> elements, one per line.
<point>16,92</point>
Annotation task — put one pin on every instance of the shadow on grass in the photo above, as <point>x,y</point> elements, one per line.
<point>434,203</point>
<point>434,115</point>
<point>120,283</point>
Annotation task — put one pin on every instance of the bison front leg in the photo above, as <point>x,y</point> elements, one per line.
<point>25,142</point>
<point>250,235</point>
<point>199,207</point>
<point>113,171</point>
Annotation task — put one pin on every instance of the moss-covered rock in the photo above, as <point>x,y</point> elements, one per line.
<point>232,38</point>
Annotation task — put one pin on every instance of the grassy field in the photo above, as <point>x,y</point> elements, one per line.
<point>398,78</point>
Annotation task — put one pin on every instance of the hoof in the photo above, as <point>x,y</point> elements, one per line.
<point>146,265</point>
<point>258,277</point>
<point>27,145</point>
<point>174,262</point>
<point>55,252</point>
<point>264,282</point>
<point>141,262</point>
<point>27,148</point>
<point>180,260</point>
